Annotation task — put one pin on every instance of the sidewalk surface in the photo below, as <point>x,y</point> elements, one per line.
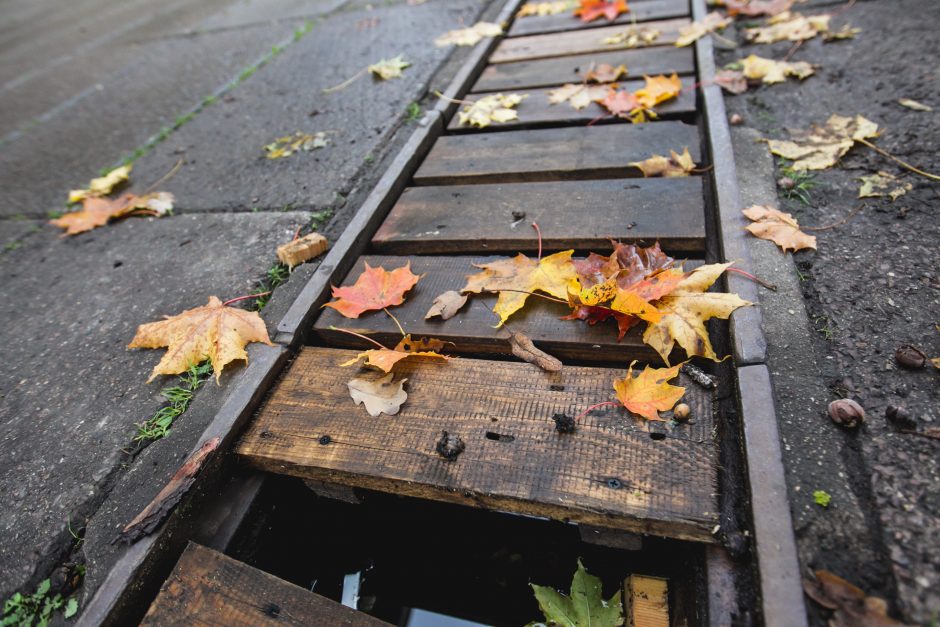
<point>87,83</point>
<point>84,84</point>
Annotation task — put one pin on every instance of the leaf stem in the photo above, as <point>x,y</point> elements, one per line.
<point>395,320</point>
<point>535,225</point>
<point>165,177</point>
<point>905,164</point>
<point>235,300</point>
<point>346,83</point>
<point>359,335</point>
<point>593,407</point>
<point>769,286</point>
<point>454,100</point>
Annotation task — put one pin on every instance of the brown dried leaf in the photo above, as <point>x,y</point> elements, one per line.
<point>379,396</point>
<point>732,81</point>
<point>852,607</point>
<point>606,73</point>
<point>780,228</point>
<point>675,165</point>
<point>446,305</point>
<point>821,147</point>
<point>523,348</point>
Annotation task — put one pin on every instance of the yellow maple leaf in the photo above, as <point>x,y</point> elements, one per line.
<point>516,277</point>
<point>877,185</point>
<point>658,89</point>
<point>545,8</point>
<point>495,108</point>
<point>769,71</point>
<point>780,228</point>
<point>101,186</point>
<point>790,26</point>
<point>214,331</point>
<point>649,392</point>
<point>385,358</point>
<point>685,310</point>
<point>696,30</point>
<point>674,165</point>
<point>469,36</point>
<point>578,95</point>
<point>389,68</point>
<point>821,147</point>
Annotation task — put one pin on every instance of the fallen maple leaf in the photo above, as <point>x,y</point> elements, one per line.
<point>585,606</point>
<point>495,108</point>
<point>289,144</point>
<point>590,10</point>
<point>578,95</point>
<point>789,26</point>
<point>389,68</point>
<point>620,103</point>
<point>446,305</point>
<point>469,36</point>
<point>822,146</point>
<point>545,8</point>
<point>379,396</point>
<point>853,608</point>
<point>846,32</point>
<point>101,186</point>
<point>514,278</point>
<point>658,89</point>
<point>780,228</point>
<point>732,81</point>
<point>523,348</point>
<point>877,185</point>
<point>632,37</point>
<point>649,392</point>
<point>214,331</point>
<point>770,71</point>
<point>696,30</point>
<point>685,310</point>
<point>375,289</point>
<point>753,8</point>
<point>386,358</point>
<point>605,73</point>
<point>674,165</point>
<point>98,211</point>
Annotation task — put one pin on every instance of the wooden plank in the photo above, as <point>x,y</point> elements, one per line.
<point>647,601</point>
<point>582,41</point>
<point>472,329</point>
<point>552,154</point>
<point>208,588</point>
<point>486,219</point>
<point>570,69</point>
<point>610,471</point>
<point>536,110</point>
<point>640,11</point>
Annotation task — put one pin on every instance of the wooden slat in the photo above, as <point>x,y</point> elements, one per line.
<point>610,472</point>
<point>580,41</point>
<point>485,219</point>
<point>640,11</point>
<point>647,601</point>
<point>208,588</point>
<point>536,110</point>
<point>472,329</point>
<point>570,69</point>
<point>552,154</point>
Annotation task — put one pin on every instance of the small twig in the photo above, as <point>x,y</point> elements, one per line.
<point>297,232</point>
<point>599,118</point>
<point>235,300</point>
<point>593,407</point>
<point>454,100</point>
<point>905,164</point>
<point>346,83</point>
<point>395,320</point>
<point>834,224</point>
<point>359,335</point>
<point>729,42</point>
<point>167,176</point>
<point>793,49</point>
<point>538,232</point>
<point>761,282</point>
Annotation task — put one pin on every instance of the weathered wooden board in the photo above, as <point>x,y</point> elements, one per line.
<point>536,110</point>
<point>570,69</point>
<point>472,329</point>
<point>640,11</point>
<point>582,41</point>
<point>610,471</point>
<point>585,152</point>
<point>208,588</point>
<point>484,219</point>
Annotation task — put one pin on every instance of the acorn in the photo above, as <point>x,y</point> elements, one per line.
<point>910,357</point>
<point>681,412</point>
<point>846,412</point>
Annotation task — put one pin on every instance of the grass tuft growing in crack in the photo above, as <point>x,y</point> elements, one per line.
<point>796,184</point>
<point>178,398</point>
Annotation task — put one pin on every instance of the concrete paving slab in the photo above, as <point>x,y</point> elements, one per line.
<point>163,79</point>
<point>224,162</point>
<point>71,400</point>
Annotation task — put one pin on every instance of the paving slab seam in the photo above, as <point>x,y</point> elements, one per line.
<point>775,543</point>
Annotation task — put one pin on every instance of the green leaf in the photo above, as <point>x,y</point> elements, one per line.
<point>43,588</point>
<point>71,607</point>
<point>584,608</point>
<point>822,498</point>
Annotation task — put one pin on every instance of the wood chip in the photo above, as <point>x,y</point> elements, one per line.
<point>296,252</point>
<point>523,348</point>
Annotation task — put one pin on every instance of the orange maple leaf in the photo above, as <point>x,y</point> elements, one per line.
<point>375,288</point>
<point>620,103</point>
<point>649,392</point>
<point>214,332</point>
<point>97,211</point>
<point>592,9</point>
<point>385,358</point>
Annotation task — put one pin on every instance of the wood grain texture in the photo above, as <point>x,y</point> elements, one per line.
<point>536,110</point>
<point>647,601</point>
<point>610,472</point>
<point>640,11</point>
<point>581,41</point>
<point>208,588</point>
<point>584,215</point>
<point>552,154</point>
<point>570,69</point>
<point>472,329</point>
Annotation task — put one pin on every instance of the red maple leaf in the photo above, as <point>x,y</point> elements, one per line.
<point>592,9</point>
